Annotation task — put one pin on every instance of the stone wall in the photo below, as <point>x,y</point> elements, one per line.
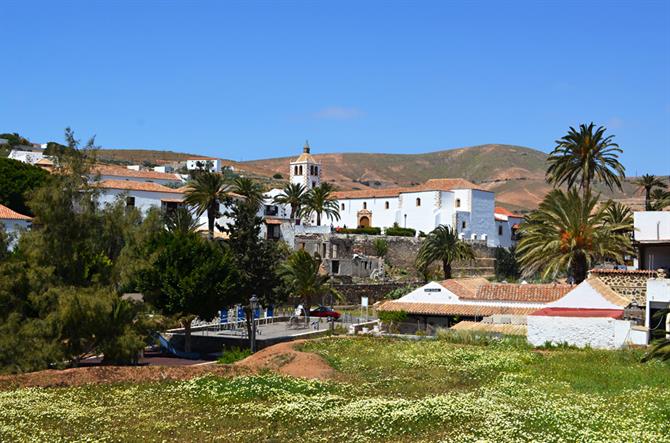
<point>374,291</point>
<point>629,284</point>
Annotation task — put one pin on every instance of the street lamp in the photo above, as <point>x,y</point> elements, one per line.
<point>254,305</point>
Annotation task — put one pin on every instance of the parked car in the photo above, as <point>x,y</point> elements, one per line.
<point>325,312</point>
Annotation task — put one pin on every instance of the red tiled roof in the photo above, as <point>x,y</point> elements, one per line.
<point>117,171</point>
<point>503,211</point>
<point>452,309</point>
<point>464,287</point>
<point>8,214</point>
<point>129,185</point>
<point>531,293</point>
<point>579,312</point>
<point>435,184</point>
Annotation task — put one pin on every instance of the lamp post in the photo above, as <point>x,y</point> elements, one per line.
<point>254,305</point>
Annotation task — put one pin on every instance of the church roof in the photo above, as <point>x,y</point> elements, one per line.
<point>305,157</point>
<point>435,184</point>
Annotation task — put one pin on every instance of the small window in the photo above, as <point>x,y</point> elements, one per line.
<point>295,170</point>
<point>365,205</point>
<point>300,169</point>
<point>463,225</point>
<point>342,206</point>
<point>130,202</point>
<point>335,266</point>
<point>458,202</point>
<point>316,170</point>
<point>386,205</point>
<point>500,230</point>
<point>418,202</point>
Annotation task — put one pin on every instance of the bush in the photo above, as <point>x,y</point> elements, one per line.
<point>278,176</point>
<point>232,355</point>
<point>365,231</point>
<point>397,231</point>
<point>399,292</point>
<point>381,247</point>
<point>506,265</point>
<point>392,316</point>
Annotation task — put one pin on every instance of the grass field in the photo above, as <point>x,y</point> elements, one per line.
<point>386,390</point>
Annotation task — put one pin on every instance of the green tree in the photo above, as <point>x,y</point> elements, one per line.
<point>568,233</point>
<point>251,190</point>
<point>180,220</point>
<point>381,247</point>
<point>295,195</point>
<point>320,201</point>
<point>189,277</point>
<point>648,183</point>
<point>506,265</point>
<point>206,192</point>
<point>5,240</point>
<point>301,276</point>
<point>17,180</point>
<point>584,156</point>
<point>660,199</point>
<point>619,215</point>
<point>442,244</point>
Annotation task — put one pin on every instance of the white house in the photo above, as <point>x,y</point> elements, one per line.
<point>107,172</point>
<point>30,157</point>
<point>652,237</point>
<point>141,195</point>
<point>589,315</point>
<point>207,164</point>
<point>507,224</point>
<point>13,223</point>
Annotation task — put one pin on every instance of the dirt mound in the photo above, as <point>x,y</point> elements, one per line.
<point>112,374</point>
<point>283,358</point>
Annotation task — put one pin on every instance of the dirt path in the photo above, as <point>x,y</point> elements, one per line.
<point>281,358</point>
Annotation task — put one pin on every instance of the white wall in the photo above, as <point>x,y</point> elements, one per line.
<point>596,332</point>
<point>482,219</point>
<point>144,200</point>
<point>26,156</point>
<point>160,181</point>
<point>652,225</point>
<point>381,217</point>
<point>14,228</point>
<point>192,165</point>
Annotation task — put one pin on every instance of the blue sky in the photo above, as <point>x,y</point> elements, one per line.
<point>246,80</point>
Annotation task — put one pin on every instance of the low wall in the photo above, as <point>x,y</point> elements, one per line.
<point>594,332</point>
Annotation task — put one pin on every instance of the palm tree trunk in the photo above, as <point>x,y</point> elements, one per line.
<point>187,335</point>
<point>446,268</point>
<point>318,219</point>
<point>578,268</point>
<point>210,222</point>
<point>647,198</point>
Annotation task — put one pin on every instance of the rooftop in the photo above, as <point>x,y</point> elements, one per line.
<point>453,309</point>
<point>8,214</point>
<point>435,184</point>
<point>117,171</point>
<point>530,293</point>
<point>129,185</point>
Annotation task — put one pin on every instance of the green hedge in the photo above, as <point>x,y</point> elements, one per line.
<point>400,232</point>
<point>366,231</point>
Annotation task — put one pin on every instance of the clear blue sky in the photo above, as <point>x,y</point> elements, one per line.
<point>245,80</point>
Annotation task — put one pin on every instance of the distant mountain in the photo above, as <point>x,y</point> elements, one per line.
<point>515,173</point>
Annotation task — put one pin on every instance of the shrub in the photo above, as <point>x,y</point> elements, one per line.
<point>381,247</point>
<point>365,231</point>
<point>506,265</point>
<point>392,316</point>
<point>399,292</point>
<point>278,176</point>
<point>232,355</point>
<point>397,231</point>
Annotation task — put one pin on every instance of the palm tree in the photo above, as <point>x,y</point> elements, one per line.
<point>206,192</point>
<point>300,273</point>
<point>649,182</point>
<point>180,221</point>
<point>320,201</point>
<point>618,214</point>
<point>251,190</point>
<point>442,244</point>
<point>660,199</point>
<point>569,233</point>
<point>295,195</point>
<point>583,156</point>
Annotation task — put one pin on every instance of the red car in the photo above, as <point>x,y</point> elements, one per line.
<point>324,312</point>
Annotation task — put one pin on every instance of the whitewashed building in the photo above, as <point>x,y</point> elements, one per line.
<point>305,170</point>
<point>205,164</point>
<point>507,224</point>
<point>30,157</point>
<point>14,224</point>
<point>140,195</point>
<point>652,237</point>
<point>106,172</point>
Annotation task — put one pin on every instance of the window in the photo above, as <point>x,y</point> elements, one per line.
<point>335,266</point>
<point>300,169</point>
<point>130,202</point>
<point>295,170</point>
<point>386,205</point>
<point>316,170</point>
<point>458,202</point>
<point>500,230</point>
<point>342,206</point>
<point>365,205</point>
<point>463,225</point>
<point>418,202</point>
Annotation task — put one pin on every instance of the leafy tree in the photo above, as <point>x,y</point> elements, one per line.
<point>4,243</point>
<point>180,220</point>
<point>17,180</point>
<point>442,244</point>
<point>381,247</point>
<point>320,201</point>
<point>295,195</point>
<point>301,275</point>
<point>584,156</point>
<point>189,277</point>
<point>568,233</point>
<point>206,192</point>
<point>251,190</point>
<point>648,183</point>
<point>506,265</point>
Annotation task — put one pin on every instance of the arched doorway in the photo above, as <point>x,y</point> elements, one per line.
<point>364,222</point>
<point>364,218</point>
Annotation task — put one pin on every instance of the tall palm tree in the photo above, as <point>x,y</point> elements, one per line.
<point>660,199</point>
<point>442,244</point>
<point>293,194</point>
<point>300,273</point>
<point>206,192</point>
<point>620,215</point>
<point>320,201</point>
<point>649,182</point>
<point>584,156</point>
<point>570,233</point>
<point>251,190</point>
